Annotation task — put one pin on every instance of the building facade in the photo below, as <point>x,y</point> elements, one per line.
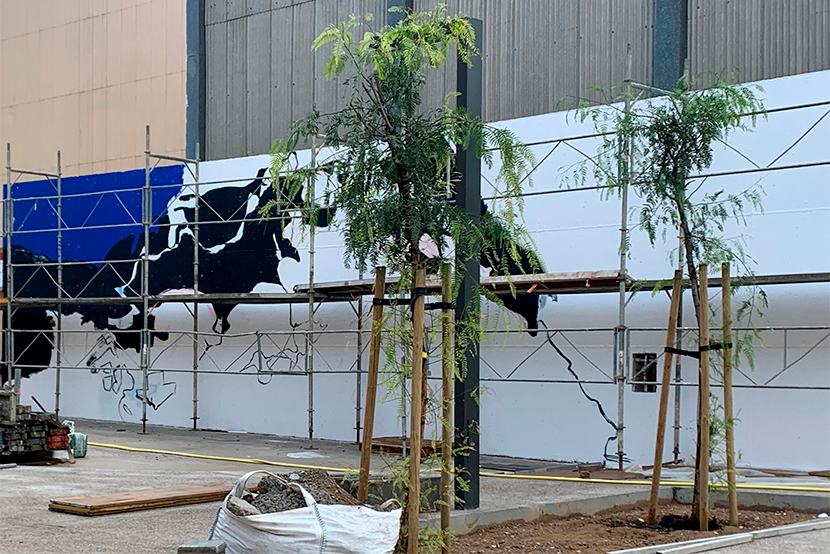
<point>86,76</point>
<point>222,78</point>
<point>229,76</point>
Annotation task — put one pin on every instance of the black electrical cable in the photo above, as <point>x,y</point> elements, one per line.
<point>605,455</point>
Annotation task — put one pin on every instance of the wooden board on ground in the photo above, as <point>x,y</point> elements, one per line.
<point>144,499</point>
<point>393,445</point>
<point>614,474</point>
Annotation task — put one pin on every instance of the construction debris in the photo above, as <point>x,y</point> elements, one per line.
<point>241,508</point>
<point>275,497</point>
<point>28,436</point>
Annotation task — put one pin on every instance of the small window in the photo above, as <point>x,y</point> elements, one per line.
<point>644,370</point>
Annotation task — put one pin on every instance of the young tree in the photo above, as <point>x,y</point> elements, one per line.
<point>654,148</point>
<point>392,156</point>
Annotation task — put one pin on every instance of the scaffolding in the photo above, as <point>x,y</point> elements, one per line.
<point>313,295</point>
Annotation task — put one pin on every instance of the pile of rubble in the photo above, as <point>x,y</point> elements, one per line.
<point>273,496</point>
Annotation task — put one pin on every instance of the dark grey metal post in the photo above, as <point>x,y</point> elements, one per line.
<point>392,18</point>
<point>196,84</point>
<point>468,196</point>
<point>670,42</point>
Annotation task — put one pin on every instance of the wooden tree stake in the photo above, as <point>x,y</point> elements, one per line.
<point>704,423</point>
<point>414,502</point>
<point>676,292</point>
<point>446,403</point>
<point>726,284</point>
<point>371,386</point>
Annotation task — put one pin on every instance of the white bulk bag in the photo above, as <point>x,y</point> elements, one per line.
<point>315,529</point>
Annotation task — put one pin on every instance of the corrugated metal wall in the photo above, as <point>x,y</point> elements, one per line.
<point>261,73</point>
<point>543,56</point>
<point>540,55</point>
<point>750,40</point>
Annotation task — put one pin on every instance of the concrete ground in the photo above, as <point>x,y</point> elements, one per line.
<point>811,542</point>
<point>29,527</point>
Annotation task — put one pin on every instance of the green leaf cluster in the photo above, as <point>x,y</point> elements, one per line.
<point>656,147</point>
<point>393,160</point>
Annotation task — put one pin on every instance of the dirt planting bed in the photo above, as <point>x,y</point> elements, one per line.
<point>604,533</point>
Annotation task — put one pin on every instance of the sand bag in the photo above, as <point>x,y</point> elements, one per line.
<point>314,529</point>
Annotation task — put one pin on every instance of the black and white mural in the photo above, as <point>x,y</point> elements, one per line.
<point>102,247</point>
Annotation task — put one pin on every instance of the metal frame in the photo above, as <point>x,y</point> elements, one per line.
<point>317,293</point>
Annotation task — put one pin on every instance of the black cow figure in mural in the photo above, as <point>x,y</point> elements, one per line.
<point>237,251</point>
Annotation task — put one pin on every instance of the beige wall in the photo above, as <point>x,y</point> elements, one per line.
<point>86,76</point>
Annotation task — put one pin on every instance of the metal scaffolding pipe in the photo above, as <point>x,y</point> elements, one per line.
<point>621,334</point>
<point>146,218</point>
<point>58,311</point>
<point>309,340</point>
<point>8,286</point>
<point>678,363</point>
<point>358,367</point>
<point>197,196</point>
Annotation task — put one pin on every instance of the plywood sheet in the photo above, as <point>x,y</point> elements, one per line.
<point>144,499</point>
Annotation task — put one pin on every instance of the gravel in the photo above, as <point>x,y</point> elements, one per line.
<point>274,496</point>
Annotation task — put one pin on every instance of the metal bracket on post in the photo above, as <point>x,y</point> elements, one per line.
<point>468,197</point>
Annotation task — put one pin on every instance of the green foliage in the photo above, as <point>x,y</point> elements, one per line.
<point>392,157</point>
<point>718,425</point>
<point>654,148</point>
<point>391,175</point>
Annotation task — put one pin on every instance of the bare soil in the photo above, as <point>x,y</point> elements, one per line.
<point>605,533</point>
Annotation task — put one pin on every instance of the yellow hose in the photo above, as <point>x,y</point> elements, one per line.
<point>218,458</point>
<point>483,473</point>
<point>662,483</point>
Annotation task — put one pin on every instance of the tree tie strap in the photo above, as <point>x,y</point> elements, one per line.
<point>417,292</point>
<point>411,302</point>
<point>696,353</point>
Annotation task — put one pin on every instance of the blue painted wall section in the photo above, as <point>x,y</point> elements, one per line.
<point>91,205</point>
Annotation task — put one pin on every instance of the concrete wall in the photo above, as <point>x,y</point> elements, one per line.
<point>522,416</point>
<point>86,76</point>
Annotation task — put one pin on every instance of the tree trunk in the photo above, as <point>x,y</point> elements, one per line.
<point>693,282</point>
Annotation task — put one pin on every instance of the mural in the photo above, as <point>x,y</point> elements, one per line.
<point>104,241</point>
<point>101,255</point>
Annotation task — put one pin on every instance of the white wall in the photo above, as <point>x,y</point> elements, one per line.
<point>574,231</point>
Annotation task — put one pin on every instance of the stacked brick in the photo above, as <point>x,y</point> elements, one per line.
<point>31,435</point>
